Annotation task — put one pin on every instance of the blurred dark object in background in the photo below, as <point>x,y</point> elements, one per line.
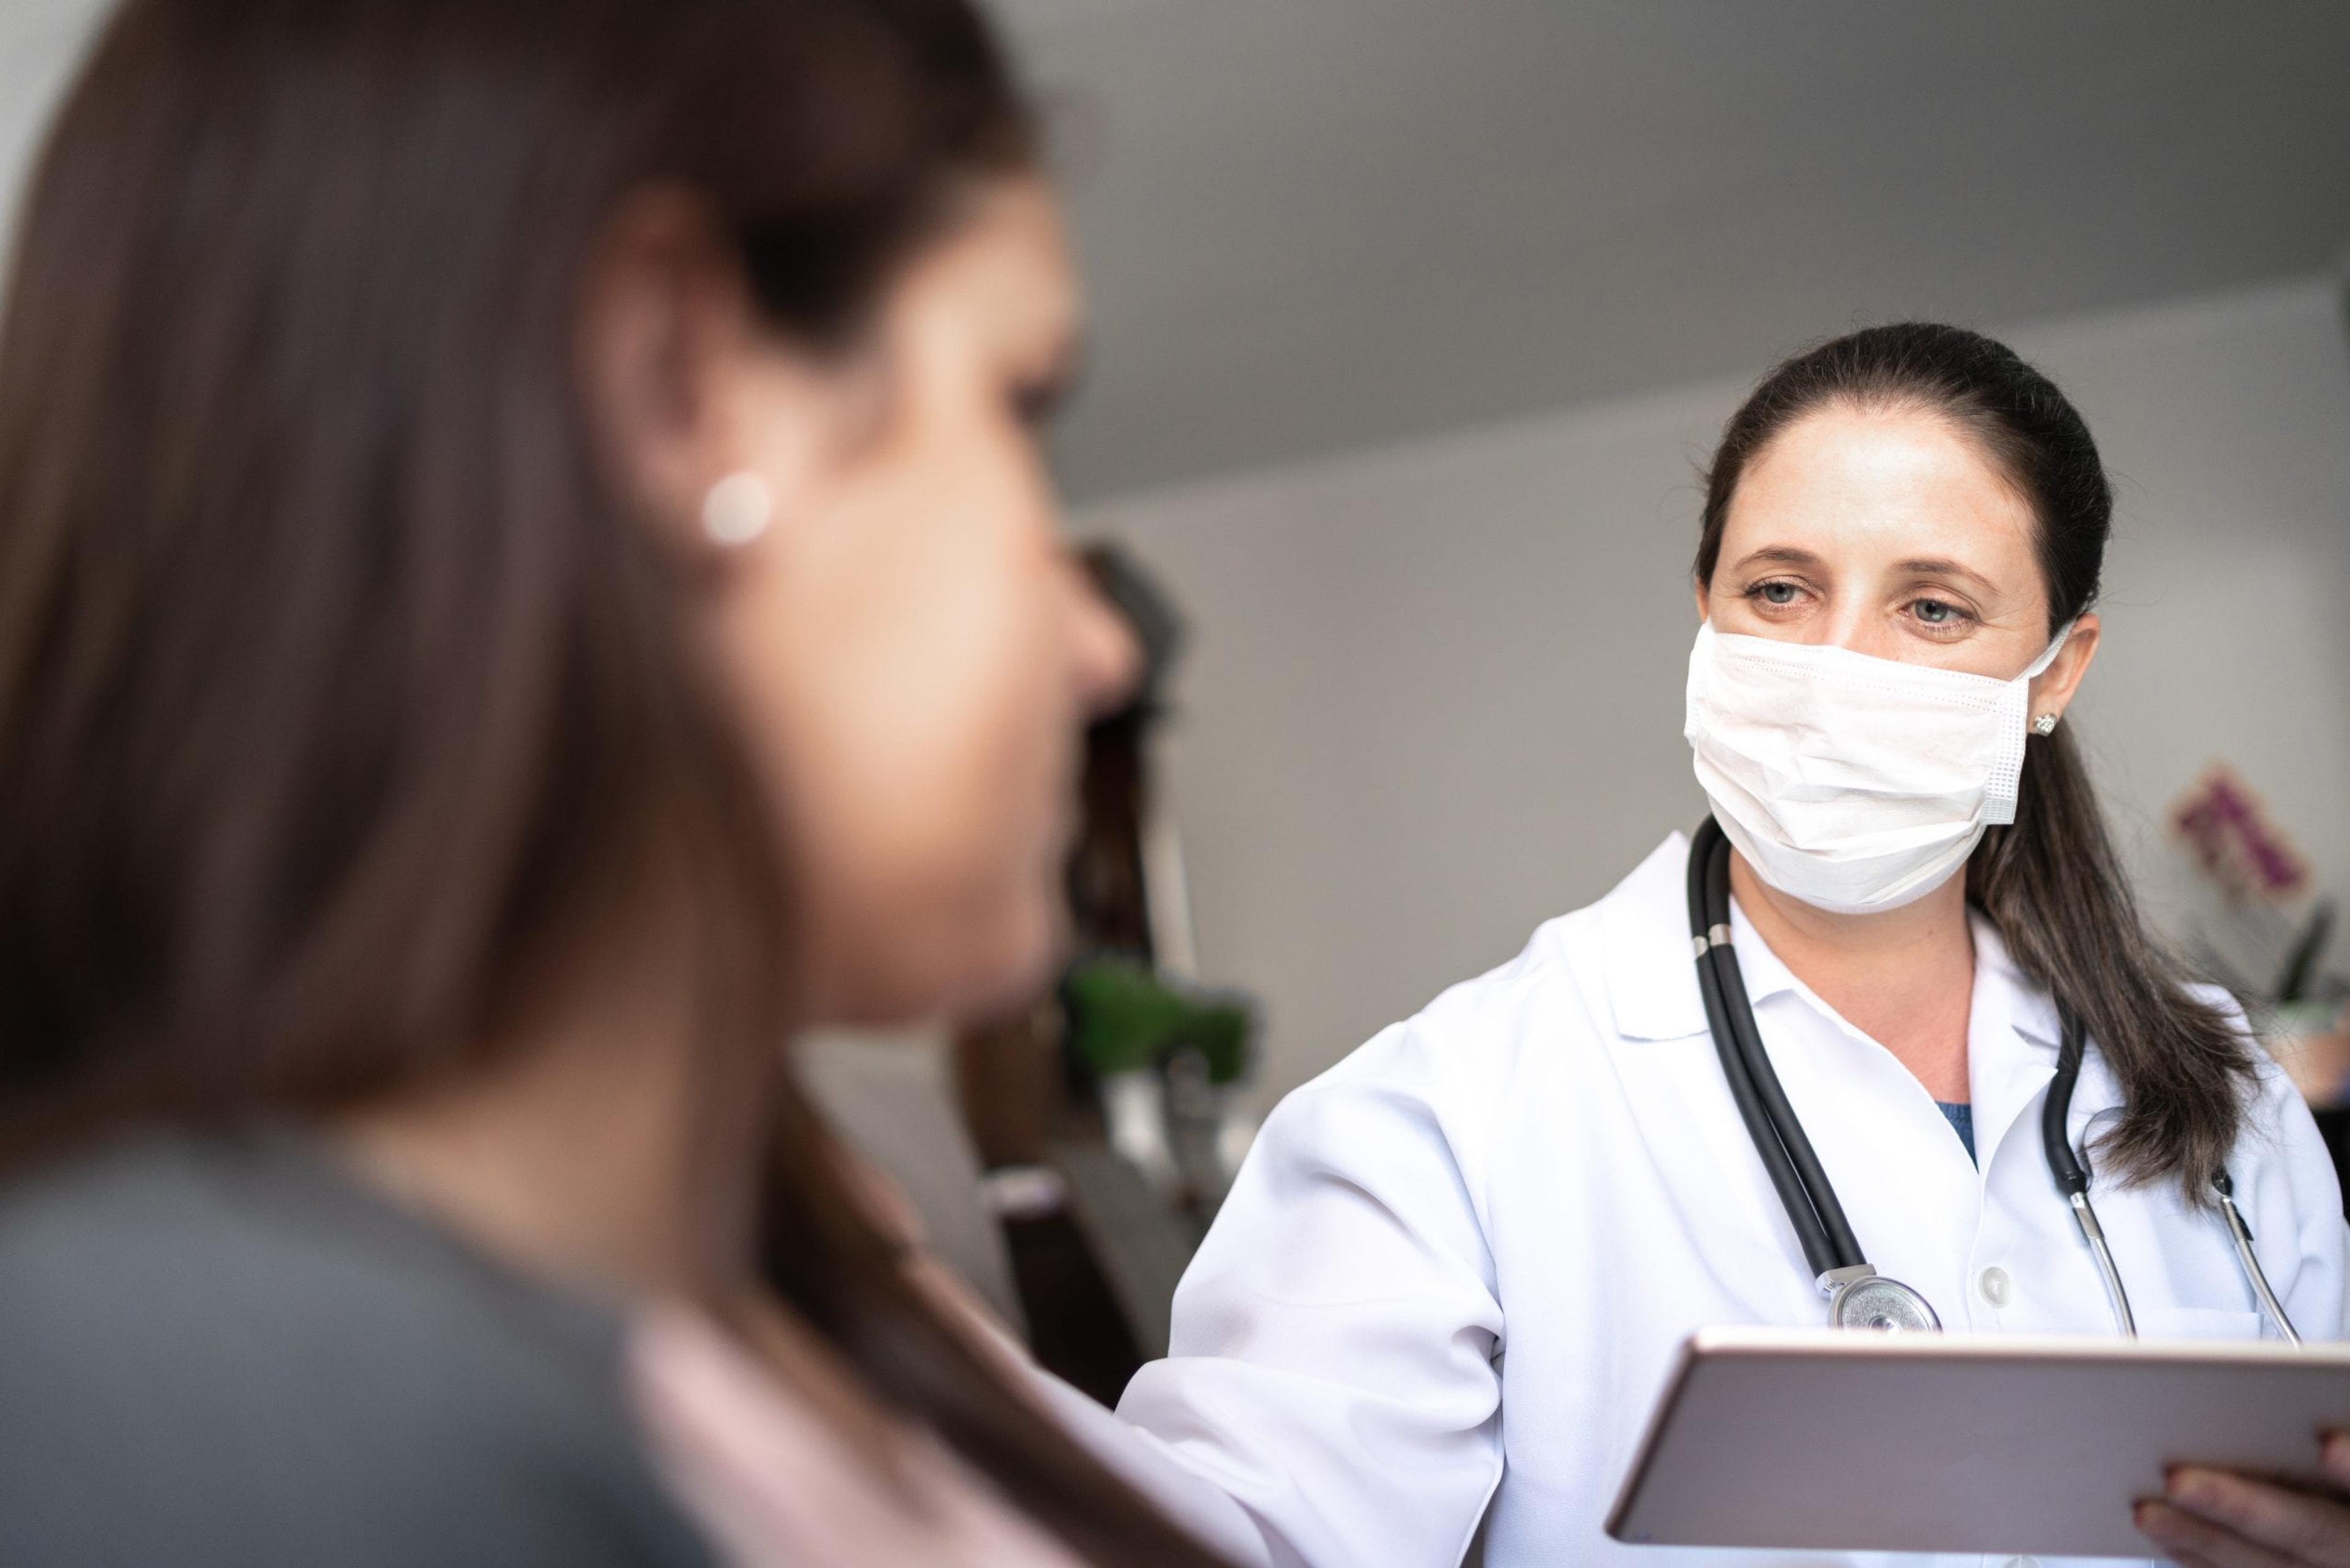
<point>1104,1111</point>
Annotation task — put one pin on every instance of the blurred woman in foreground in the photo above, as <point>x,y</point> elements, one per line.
<point>525,576</point>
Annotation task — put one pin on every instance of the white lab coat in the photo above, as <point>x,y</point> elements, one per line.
<point>1456,1267</point>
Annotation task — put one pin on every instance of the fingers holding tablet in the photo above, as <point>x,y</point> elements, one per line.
<point>2213,1519</point>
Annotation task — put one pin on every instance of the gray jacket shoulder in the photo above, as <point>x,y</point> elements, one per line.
<point>218,1350</point>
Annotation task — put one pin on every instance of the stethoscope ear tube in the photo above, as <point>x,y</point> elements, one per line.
<point>1778,1138</point>
<point>2071,1177</point>
<point>1858,1296</point>
<point>2241,1234</point>
<point>1813,1236</point>
<point>1767,1087</point>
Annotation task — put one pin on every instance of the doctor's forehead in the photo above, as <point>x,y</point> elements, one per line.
<point>1877,489</point>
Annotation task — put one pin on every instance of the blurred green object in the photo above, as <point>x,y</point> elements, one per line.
<point>1124,1017</point>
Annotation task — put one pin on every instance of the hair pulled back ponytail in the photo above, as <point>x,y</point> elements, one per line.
<point>2050,881</point>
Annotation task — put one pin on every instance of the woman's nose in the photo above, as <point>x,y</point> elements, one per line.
<point>1108,657</point>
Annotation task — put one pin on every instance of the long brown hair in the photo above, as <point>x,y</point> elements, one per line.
<point>2050,881</point>
<point>333,682</point>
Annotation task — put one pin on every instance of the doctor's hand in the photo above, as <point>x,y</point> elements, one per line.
<point>2212,1519</point>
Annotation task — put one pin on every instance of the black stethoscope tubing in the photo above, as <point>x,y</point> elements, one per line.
<point>1794,1168</point>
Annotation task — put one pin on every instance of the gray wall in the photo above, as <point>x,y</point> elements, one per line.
<point>1434,692</point>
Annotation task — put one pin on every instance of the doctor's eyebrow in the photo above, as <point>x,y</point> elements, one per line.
<point>1779,555</point>
<point>1943,566</point>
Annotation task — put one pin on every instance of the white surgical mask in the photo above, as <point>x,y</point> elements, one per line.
<point>1851,783</point>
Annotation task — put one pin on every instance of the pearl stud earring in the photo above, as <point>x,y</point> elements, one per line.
<point>2044,725</point>
<point>738,509</point>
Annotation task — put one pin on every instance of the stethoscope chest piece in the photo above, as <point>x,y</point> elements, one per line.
<point>1858,1296</point>
<point>1863,1298</point>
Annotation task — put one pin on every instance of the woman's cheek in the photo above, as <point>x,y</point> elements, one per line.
<point>933,800</point>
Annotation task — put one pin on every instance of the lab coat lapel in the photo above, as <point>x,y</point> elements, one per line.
<point>2011,1036</point>
<point>1681,1106</point>
<point>1651,973</point>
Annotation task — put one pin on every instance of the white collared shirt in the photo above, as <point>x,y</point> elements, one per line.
<point>1484,1234</point>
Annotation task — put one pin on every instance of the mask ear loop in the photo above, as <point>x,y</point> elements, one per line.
<point>2005,786</point>
<point>2055,646</point>
<point>2045,723</point>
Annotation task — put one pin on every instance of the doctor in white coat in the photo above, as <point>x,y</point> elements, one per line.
<point>1456,1267</point>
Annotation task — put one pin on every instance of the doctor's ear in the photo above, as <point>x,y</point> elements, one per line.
<point>1698,587</point>
<point>2053,688</point>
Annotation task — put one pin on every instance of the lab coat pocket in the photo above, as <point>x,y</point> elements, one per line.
<point>2197,1323</point>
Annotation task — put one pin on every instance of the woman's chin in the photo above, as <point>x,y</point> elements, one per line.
<point>978,968</point>
<point>1029,956</point>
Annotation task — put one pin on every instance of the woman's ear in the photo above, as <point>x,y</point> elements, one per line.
<point>1698,587</point>
<point>664,307</point>
<point>2053,688</point>
<point>686,385</point>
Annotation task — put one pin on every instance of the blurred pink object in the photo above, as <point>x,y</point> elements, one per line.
<point>2224,825</point>
<point>771,1481</point>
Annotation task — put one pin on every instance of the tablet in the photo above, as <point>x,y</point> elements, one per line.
<point>1840,1440</point>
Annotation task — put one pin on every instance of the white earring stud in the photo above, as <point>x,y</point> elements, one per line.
<point>738,509</point>
<point>2044,725</point>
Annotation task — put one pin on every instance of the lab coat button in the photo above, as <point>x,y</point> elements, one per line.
<point>1994,1285</point>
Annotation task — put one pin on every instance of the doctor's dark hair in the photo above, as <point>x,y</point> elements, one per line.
<point>338,687</point>
<point>2051,882</point>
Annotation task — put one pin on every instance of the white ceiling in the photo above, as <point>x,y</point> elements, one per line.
<point>1314,224</point>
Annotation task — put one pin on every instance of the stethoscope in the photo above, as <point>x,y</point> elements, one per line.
<point>1858,1296</point>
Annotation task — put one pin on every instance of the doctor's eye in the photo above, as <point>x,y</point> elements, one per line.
<point>1939,616</point>
<point>1775,593</point>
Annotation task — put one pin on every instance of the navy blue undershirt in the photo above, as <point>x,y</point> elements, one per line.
<point>1962,1122</point>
